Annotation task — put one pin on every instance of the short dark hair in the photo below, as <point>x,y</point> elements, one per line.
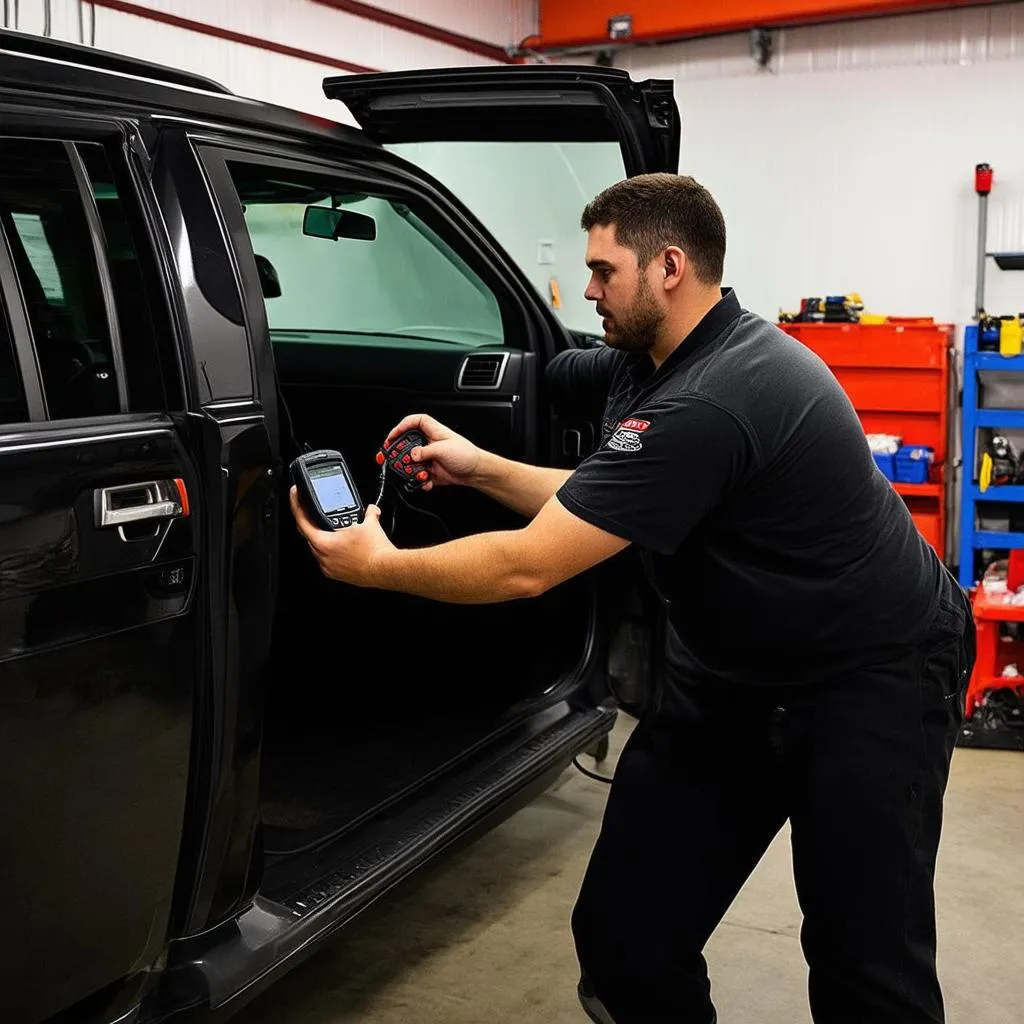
<point>652,211</point>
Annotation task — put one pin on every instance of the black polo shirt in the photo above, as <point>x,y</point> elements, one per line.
<point>741,469</point>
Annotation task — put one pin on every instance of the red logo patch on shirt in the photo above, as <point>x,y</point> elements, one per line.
<point>636,425</point>
<point>627,435</point>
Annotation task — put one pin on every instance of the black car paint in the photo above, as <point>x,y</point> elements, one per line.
<point>194,621</point>
<point>96,638</point>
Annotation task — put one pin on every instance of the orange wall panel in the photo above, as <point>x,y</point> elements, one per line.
<point>585,22</point>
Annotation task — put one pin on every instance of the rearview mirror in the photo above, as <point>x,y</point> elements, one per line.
<point>324,222</point>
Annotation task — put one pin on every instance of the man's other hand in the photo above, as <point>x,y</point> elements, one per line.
<point>453,459</point>
<point>349,554</point>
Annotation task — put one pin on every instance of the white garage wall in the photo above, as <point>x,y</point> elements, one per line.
<point>502,22</point>
<point>309,26</point>
<point>849,165</point>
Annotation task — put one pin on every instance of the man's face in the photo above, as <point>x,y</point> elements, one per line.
<point>625,299</point>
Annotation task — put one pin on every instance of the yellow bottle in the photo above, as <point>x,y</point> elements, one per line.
<point>1011,336</point>
<point>985,475</point>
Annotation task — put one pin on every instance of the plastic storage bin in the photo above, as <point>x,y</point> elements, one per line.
<point>886,463</point>
<point>913,463</point>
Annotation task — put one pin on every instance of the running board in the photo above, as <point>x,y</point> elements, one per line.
<point>275,935</point>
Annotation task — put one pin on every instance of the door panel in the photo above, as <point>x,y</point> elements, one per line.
<point>354,418</point>
<point>97,649</point>
<point>348,397</point>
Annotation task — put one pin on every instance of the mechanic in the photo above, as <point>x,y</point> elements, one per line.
<point>819,650</point>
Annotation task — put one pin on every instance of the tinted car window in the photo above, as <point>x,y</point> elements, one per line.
<point>339,267</point>
<point>44,219</point>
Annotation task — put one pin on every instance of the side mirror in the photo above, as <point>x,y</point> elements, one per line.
<point>325,222</point>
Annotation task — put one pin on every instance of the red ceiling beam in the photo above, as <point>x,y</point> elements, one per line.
<point>421,28</point>
<point>569,24</point>
<point>206,29</point>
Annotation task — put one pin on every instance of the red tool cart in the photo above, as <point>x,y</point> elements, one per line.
<point>896,374</point>
<point>995,702</point>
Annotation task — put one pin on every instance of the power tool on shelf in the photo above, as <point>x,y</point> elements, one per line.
<point>999,464</point>
<point>1003,334</point>
<point>830,309</point>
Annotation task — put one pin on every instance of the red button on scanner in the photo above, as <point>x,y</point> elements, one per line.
<point>422,475</point>
<point>408,470</point>
<point>380,458</point>
<point>407,458</point>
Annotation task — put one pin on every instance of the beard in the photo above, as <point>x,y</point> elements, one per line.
<point>635,329</point>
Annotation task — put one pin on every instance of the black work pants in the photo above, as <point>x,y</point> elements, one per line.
<point>857,764</point>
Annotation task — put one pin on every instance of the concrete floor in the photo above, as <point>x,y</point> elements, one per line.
<point>486,937</point>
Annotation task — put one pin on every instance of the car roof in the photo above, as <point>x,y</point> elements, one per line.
<point>45,70</point>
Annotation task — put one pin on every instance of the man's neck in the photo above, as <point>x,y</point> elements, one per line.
<point>678,327</point>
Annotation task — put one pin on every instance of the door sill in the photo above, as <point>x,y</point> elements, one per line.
<point>275,934</point>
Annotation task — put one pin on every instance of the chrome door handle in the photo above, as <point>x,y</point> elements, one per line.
<point>137,503</point>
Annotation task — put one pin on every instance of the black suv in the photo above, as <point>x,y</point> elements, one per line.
<point>211,757</point>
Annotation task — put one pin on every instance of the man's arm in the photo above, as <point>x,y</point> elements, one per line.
<point>521,487</point>
<point>484,568</point>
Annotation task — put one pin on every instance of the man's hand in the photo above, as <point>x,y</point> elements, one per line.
<point>453,459</point>
<point>347,555</point>
<point>456,460</point>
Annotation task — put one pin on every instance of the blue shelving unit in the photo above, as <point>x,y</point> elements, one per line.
<point>973,539</point>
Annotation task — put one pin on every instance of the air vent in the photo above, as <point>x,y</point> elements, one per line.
<point>482,371</point>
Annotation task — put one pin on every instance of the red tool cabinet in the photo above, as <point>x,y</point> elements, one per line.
<point>897,376</point>
<point>994,653</point>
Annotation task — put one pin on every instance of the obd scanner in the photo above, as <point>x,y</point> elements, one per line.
<point>330,497</point>
<point>326,490</point>
<point>397,462</point>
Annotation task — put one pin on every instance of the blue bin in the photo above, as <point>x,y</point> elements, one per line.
<point>913,462</point>
<point>887,464</point>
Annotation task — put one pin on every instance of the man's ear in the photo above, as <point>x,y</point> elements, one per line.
<point>673,262</point>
